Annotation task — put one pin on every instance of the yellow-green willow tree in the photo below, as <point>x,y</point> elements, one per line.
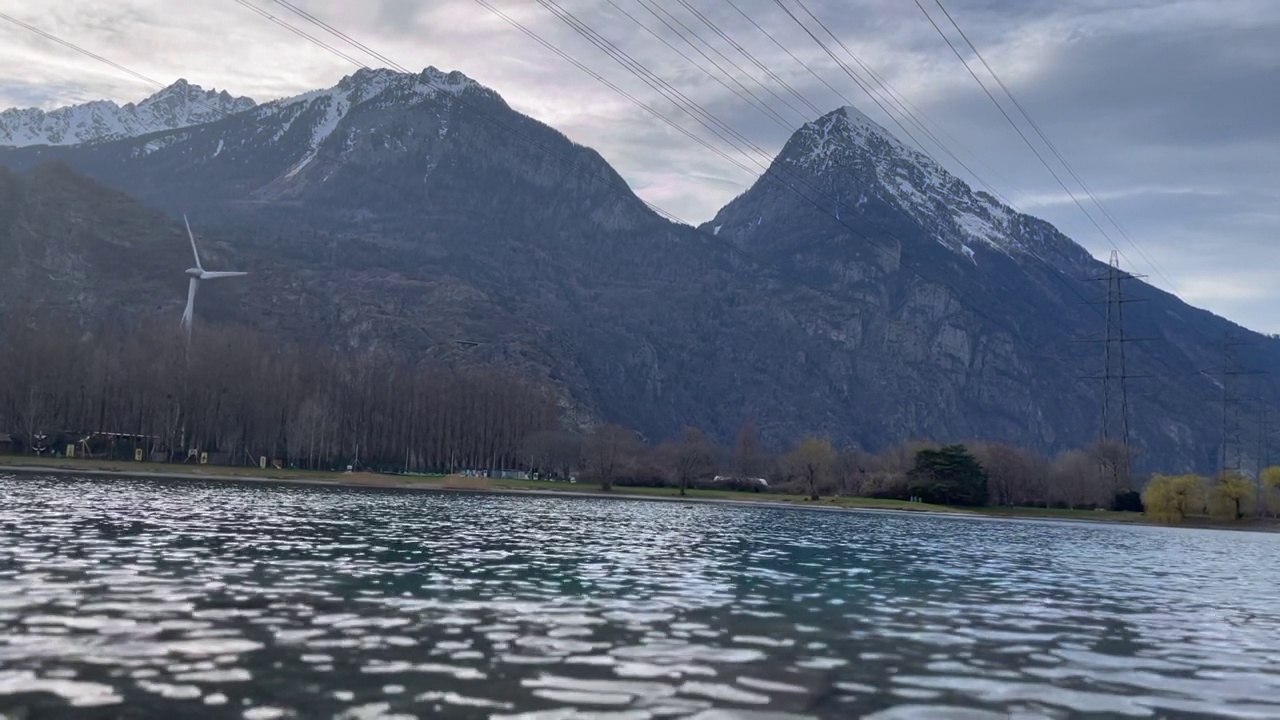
<point>1171,498</point>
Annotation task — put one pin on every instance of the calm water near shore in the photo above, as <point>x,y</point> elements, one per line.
<point>193,599</point>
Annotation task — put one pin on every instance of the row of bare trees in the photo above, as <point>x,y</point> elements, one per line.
<point>1086,478</point>
<point>241,396</point>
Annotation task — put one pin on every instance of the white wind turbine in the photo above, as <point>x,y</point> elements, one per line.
<point>198,274</point>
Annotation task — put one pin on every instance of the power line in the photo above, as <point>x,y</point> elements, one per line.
<point>1231,458</point>
<point>299,33</point>
<point>887,91</point>
<point>80,50</point>
<point>223,113</point>
<point>383,58</point>
<point>955,295</point>
<point>749,99</point>
<point>649,78</point>
<point>894,98</point>
<point>772,75</point>
<point>1115,374</point>
<point>1013,124</point>
<point>638,69</point>
<point>1056,274</point>
<point>787,50</point>
<point>852,76</point>
<point>1053,272</point>
<point>690,32</point>
<point>1106,213</point>
<point>572,164</point>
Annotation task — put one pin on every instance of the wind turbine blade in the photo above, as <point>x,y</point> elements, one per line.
<point>206,275</point>
<point>189,313</point>
<point>193,241</point>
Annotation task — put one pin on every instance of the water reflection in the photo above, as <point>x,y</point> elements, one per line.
<point>265,601</point>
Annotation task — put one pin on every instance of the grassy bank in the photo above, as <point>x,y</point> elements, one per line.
<point>440,482</point>
<point>15,463</point>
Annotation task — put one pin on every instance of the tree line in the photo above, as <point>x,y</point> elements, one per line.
<point>1229,496</point>
<point>240,396</point>
<point>237,397</point>
<point>1095,477</point>
<point>1098,477</point>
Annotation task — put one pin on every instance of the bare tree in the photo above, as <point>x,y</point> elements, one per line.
<point>1074,481</point>
<point>605,451</point>
<point>747,459</point>
<point>1115,467</point>
<point>812,461</point>
<point>692,459</point>
<point>240,396</point>
<point>850,471</point>
<point>552,452</point>
<point>1015,477</point>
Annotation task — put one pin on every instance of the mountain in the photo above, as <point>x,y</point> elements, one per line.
<point>69,243</point>
<point>857,290</point>
<point>404,212</point>
<point>970,313</point>
<point>177,106</point>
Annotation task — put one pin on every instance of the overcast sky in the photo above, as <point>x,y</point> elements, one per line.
<point>1169,110</point>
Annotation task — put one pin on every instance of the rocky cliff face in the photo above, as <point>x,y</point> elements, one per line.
<point>857,290</point>
<point>969,312</point>
<point>177,106</point>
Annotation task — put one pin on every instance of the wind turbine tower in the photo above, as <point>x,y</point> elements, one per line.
<point>198,275</point>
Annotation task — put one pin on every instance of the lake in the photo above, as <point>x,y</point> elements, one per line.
<point>191,599</point>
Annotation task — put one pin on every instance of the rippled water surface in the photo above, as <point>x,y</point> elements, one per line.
<point>191,600</point>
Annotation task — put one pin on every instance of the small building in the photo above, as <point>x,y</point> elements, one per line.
<point>6,443</point>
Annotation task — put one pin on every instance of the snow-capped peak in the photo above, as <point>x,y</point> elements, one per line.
<point>367,83</point>
<point>828,140</point>
<point>176,106</point>
<point>857,119</point>
<point>323,111</point>
<point>856,159</point>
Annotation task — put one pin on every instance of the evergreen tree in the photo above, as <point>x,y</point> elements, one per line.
<point>949,476</point>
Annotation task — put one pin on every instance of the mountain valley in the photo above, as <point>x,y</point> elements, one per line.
<point>856,290</point>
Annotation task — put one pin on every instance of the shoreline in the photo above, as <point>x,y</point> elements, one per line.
<point>462,484</point>
<point>374,481</point>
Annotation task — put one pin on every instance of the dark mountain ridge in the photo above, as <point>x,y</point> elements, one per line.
<point>406,211</point>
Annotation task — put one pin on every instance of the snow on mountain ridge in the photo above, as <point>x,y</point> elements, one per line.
<point>177,106</point>
<point>182,105</point>
<point>368,83</point>
<point>327,107</point>
<point>848,140</point>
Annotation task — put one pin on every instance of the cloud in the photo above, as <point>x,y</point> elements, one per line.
<point>1165,107</point>
<point>1031,202</point>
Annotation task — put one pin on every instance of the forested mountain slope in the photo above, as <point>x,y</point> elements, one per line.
<point>404,212</point>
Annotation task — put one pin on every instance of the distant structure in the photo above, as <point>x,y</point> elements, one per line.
<point>1231,453</point>
<point>197,275</point>
<point>1115,375</point>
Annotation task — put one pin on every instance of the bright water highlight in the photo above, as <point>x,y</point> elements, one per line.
<point>162,599</point>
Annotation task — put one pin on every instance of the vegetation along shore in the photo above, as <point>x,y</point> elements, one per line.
<point>520,486</point>
<point>139,401</point>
